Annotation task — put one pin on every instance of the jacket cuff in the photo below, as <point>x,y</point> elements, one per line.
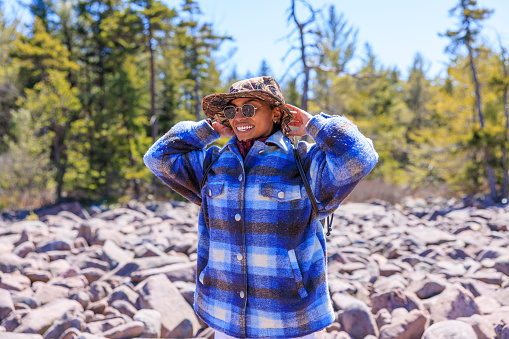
<point>205,132</point>
<point>315,125</point>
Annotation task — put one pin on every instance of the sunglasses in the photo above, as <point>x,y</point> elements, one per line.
<point>248,110</point>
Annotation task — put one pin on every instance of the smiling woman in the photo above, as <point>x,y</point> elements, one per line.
<point>261,267</point>
<point>261,124</point>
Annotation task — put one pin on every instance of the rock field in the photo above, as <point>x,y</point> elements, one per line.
<point>423,269</point>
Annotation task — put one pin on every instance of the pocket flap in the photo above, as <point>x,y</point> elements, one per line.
<point>214,189</point>
<point>280,192</point>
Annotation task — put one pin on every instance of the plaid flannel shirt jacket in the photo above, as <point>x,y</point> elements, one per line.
<point>261,267</point>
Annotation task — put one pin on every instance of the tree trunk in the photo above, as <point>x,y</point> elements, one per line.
<point>197,104</point>
<point>505,187</point>
<point>487,153</point>
<point>153,114</point>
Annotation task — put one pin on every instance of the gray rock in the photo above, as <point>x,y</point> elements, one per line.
<point>100,326</point>
<point>503,333</point>
<point>124,307</point>
<point>37,275</point>
<point>358,321</point>
<point>450,329</point>
<point>410,326</point>
<point>55,245</point>
<point>68,320</point>
<point>31,227</point>
<point>114,255</point>
<point>177,317</point>
<point>152,322</point>
<point>6,304</point>
<point>98,290</point>
<point>48,293</point>
<point>13,282</point>
<point>92,274</point>
<point>126,269</point>
<point>487,304</point>
<point>39,320</point>
<point>148,250</point>
<point>383,317</point>
<point>103,234</point>
<point>20,336</point>
<point>431,236</point>
<point>24,248</point>
<point>502,264</point>
<point>395,299</point>
<point>25,299</point>
<point>430,287</point>
<point>481,325</point>
<point>454,302</point>
<point>175,272</point>
<point>10,262</point>
<point>129,330</point>
<point>125,293</point>
<point>186,289</point>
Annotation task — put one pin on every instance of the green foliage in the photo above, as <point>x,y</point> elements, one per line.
<point>82,93</point>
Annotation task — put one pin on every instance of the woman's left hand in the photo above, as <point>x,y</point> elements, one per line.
<point>301,119</point>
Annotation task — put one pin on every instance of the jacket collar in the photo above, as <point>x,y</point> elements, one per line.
<point>277,139</point>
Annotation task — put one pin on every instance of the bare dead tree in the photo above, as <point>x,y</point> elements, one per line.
<point>505,186</point>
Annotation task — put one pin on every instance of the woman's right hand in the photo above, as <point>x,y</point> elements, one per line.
<point>222,130</point>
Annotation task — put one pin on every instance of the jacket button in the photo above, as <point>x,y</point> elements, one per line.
<point>210,193</point>
<point>281,195</point>
<point>261,152</point>
<point>239,256</point>
<point>241,294</point>
<point>237,217</point>
<point>240,177</point>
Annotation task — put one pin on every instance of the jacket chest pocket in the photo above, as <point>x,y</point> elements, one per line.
<point>280,192</point>
<point>214,189</point>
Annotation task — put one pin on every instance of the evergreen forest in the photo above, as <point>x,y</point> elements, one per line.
<point>89,85</point>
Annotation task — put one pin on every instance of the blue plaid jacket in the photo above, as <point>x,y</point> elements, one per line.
<point>261,268</point>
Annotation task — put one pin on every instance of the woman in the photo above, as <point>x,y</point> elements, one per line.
<point>261,268</point>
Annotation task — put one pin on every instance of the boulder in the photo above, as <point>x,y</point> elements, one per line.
<point>394,299</point>
<point>48,293</point>
<point>40,319</point>
<point>177,317</point>
<point>454,302</point>
<point>151,320</point>
<point>114,255</point>
<point>6,304</point>
<point>481,325</point>
<point>358,321</point>
<point>409,326</point>
<point>125,293</point>
<point>176,272</point>
<point>450,329</point>
<point>131,329</point>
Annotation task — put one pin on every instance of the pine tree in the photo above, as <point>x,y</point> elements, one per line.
<point>465,35</point>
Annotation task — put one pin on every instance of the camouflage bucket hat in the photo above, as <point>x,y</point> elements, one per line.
<point>264,88</point>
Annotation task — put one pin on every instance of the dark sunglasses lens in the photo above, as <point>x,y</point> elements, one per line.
<point>248,110</point>
<point>230,112</point>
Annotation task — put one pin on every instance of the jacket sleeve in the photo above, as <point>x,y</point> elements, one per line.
<point>339,159</point>
<point>177,158</point>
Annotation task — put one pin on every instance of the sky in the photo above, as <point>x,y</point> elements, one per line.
<point>395,29</point>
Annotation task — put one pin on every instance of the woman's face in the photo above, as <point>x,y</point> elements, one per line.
<point>258,126</point>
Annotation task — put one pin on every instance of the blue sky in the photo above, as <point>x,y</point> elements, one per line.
<point>396,30</point>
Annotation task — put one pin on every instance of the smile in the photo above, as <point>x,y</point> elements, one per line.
<point>244,128</point>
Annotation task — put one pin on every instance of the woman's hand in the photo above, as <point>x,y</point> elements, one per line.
<point>222,130</point>
<point>301,119</point>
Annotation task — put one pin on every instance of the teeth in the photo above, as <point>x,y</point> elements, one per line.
<point>244,128</point>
